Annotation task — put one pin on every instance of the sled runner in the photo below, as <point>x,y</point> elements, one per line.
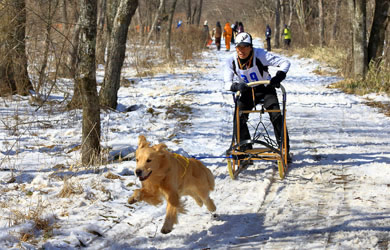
<point>261,146</point>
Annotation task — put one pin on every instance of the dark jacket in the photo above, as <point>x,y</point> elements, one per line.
<point>218,30</point>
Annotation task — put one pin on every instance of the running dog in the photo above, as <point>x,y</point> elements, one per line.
<point>168,175</point>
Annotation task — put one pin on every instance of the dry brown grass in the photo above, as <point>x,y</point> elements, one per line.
<point>35,214</point>
<point>112,176</point>
<point>70,188</point>
<point>334,57</point>
<point>377,79</point>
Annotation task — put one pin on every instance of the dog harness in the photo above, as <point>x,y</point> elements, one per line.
<point>186,160</point>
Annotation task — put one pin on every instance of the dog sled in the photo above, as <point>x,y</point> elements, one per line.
<point>261,146</point>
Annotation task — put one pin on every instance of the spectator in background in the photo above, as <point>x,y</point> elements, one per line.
<point>268,37</point>
<point>234,31</point>
<point>206,34</point>
<point>179,24</point>
<point>287,36</point>
<point>227,34</point>
<point>218,34</point>
<point>240,28</point>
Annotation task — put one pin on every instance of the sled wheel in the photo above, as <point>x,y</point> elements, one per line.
<point>230,168</point>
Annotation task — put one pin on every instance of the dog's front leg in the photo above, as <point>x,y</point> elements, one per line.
<point>135,197</point>
<point>173,205</point>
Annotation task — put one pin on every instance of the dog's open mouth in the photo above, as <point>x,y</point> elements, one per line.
<point>146,177</point>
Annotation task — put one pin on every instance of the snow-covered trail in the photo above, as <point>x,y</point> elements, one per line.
<point>340,148</point>
<point>335,194</point>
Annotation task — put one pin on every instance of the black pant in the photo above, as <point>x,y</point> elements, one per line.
<point>218,42</point>
<point>245,102</point>
<point>268,43</point>
<point>287,42</point>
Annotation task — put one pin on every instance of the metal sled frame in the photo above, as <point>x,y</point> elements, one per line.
<point>262,150</point>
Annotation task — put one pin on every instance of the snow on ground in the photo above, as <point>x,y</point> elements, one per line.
<point>335,194</point>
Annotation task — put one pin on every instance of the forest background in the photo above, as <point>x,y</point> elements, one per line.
<point>44,41</point>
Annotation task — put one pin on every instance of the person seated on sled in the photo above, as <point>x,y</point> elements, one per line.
<point>249,65</point>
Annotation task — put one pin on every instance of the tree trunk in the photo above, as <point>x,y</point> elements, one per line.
<point>101,42</point>
<point>277,23</point>
<point>169,30</point>
<point>199,12</point>
<point>158,14</point>
<point>336,19</point>
<point>303,10</point>
<point>188,11</point>
<point>86,77</point>
<point>112,8</point>
<point>13,66</point>
<point>358,12</point>
<point>291,12</point>
<point>282,14</point>
<point>72,63</point>
<point>321,27</point>
<point>194,14</point>
<point>116,53</point>
<point>378,30</point>
<point>64,15</point>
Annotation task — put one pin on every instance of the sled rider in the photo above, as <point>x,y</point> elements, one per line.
<point>250,64</point>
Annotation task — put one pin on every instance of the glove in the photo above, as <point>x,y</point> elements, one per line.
<point>275,81</point>
<point>239,86</point>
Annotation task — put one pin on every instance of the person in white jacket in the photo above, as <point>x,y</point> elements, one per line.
<point>249,65</point>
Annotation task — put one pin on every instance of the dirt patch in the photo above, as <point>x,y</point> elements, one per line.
<point>384,107</point>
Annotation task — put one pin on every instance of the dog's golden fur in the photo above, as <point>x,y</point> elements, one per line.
<point>170,176</point>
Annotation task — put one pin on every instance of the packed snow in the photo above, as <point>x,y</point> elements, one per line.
<point>335,194</point>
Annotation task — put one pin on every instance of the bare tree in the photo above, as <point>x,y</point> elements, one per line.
<point>101,41</point>
<point>188,11</point>
<point>157,16</point>
<point>277,23</point>
<point>116,53</point>
<point>378,30</point>
<point>49,18</point>
<point>64,14</point>
<point>72,65</point>
<point>282,14</point>
<point>359,51</point>
<point>199,12</point>
<point>291,7</point>
<point>169,30</point>
<point>321,23</point>
<point>303,11</point>
<point>86,77</point>
<point>336,18</point>
<point>13,64</point>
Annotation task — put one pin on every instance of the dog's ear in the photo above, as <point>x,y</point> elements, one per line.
<point>142,142</point>
<point>160,147</point>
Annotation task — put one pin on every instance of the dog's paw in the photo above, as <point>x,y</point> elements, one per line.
<point>135,197</point>
<point>166,230</point>
<point>131,200</point>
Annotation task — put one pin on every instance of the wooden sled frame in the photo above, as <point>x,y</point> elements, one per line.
<point>263,149</point>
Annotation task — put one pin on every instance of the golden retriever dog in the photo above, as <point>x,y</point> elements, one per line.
<point>168,175</point>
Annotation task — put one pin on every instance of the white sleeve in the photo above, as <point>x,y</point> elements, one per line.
<point>270,59</point>
<point>228,73</point>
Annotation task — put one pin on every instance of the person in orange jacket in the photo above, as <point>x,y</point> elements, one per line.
<point>227,34</point>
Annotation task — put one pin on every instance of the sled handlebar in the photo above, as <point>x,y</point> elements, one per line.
<point>254,84</point>
<point>263,82</point>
